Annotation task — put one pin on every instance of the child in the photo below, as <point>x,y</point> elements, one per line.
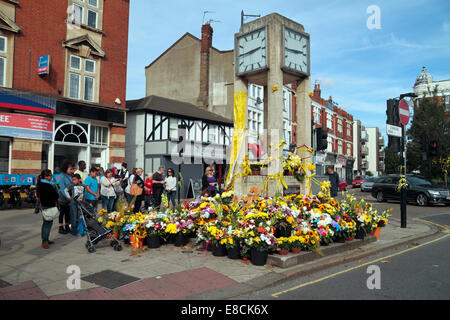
<point>75,192</point>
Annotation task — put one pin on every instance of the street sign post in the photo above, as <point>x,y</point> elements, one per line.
<point>403,112</point>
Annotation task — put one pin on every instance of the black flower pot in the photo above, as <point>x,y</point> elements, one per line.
<point>153,241</point>
<point>360,233</point>
<point>180,239</point>
<point>340,239</point>
<point>259,258</point>
<point>235,252</point>
<point>219,250</point>
<point>170,239</point>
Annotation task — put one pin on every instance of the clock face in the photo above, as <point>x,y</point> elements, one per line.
<point>296,51</point>
<point>251,52</point>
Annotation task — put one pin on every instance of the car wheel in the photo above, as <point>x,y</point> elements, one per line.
<point>380,196</point>
<point>422,200</point>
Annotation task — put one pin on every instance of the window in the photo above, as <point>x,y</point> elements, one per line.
<point>89,66</point>
<point>4,156</point>
<point>2,71</point>
<point>349,130</point>
<point>316,114</point>
<point>447,103</point>
<point>82,78</point>
<point>3,44</point>
<point>88,88</point>
<point>349,149</point>
<point>75,62</point>
<point>74,85</point>
<point>3,64</point>
<point>330,144</point>
<point>99,135</point>
<point>173,128</point>
<point>339,147</point>
<point>92,18</point>
<point>77,14</point>
<point>340,126</point>
<point>212,134</point>
<point>329,121</point>
<point>85,12</point>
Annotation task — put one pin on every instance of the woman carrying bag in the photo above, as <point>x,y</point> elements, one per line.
<point>137,189</point>
<point>107,191</point>
<point>47,193</point>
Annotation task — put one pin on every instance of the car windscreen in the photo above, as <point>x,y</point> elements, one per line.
<point>359,178</point>
<point>419,181</point>
<point>371,179</point>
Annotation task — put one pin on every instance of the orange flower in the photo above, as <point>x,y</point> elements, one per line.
<point>261,229</point>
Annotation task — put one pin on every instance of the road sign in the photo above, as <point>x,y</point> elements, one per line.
<point>403,112</point>
<point>393,131</point>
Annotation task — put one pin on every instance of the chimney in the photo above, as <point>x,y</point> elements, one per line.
<point>317,91</point>
<point>206,44</point>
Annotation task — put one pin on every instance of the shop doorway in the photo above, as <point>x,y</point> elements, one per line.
<point>71,153</point>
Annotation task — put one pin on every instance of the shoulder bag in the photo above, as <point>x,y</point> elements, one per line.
<point>50,214</point>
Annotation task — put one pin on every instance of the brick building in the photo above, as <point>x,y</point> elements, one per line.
<point>339,125</point>
<point>63,67</point>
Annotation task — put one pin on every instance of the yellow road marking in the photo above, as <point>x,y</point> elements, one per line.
<point>276,295</point>
<point>445,227</point>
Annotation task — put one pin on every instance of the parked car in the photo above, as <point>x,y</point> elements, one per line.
<point>358,181</point>
<point>367,185</point>
<point>420,190</point>
<point>342,184</point>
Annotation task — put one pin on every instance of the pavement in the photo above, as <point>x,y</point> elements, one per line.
<point>67,271</point>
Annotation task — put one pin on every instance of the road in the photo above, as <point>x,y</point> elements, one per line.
<point>419,271</point>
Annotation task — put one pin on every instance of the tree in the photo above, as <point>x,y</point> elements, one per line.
<point>430,123</point>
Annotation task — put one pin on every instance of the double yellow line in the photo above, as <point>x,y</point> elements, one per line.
<point>445,230</point>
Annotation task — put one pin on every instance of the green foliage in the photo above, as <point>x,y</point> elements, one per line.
<point>430,123</point>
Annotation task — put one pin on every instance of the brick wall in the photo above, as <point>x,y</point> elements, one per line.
<point>115,43</point>
<point>43,30</point>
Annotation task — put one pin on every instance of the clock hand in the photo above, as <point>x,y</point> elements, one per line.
<point>294,51</point>
<point>251,51</point>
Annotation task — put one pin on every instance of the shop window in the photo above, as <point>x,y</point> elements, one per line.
<point>173,128</point>
<point>4,156</point>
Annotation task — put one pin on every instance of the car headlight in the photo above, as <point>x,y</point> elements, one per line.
<point>433,193</point>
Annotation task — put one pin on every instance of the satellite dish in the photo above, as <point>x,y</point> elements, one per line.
<point>258,100</point>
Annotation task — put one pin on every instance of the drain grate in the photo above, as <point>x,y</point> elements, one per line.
<point>110,279</point>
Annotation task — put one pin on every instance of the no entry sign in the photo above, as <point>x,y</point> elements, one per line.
<point>403,112</point>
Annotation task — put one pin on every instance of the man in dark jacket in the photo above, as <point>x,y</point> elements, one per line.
<point>334,181</point>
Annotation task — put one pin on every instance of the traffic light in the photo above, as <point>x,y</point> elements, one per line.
<point>393,117</point>
<point>321,139</point>
<point>433,149</point>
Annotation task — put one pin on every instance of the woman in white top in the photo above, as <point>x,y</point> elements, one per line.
<point>171,186</point>
<point>107,192</point>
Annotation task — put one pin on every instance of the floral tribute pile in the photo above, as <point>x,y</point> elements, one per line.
<point>270,224</point>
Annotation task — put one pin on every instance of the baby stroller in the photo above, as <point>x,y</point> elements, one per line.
<point>95,231</point>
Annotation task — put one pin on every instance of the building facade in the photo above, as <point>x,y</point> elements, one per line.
<point>193,71</point>
<point>63,68</point>
<point>375,152</point>
<point>158,123</point>
<point>339,125</point>
<point>425,85</point>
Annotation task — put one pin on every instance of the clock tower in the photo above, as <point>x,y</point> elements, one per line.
<point>272,51</point>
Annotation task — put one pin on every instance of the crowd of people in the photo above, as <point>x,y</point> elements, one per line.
<point>106,187</point>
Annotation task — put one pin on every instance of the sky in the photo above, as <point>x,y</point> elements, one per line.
<point>360,67</point>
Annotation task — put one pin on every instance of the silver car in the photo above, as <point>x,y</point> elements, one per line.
<point>367,185</point>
